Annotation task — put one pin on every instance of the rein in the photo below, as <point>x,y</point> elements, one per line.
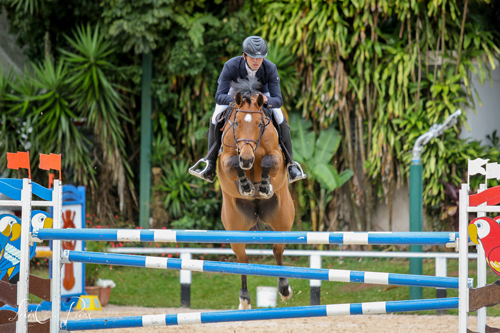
<point>233,124</point>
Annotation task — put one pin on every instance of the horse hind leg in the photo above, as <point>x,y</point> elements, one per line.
<point>245,300</point>
<point>245,186</point>
<point>266,190</point>
<point>284,288</point>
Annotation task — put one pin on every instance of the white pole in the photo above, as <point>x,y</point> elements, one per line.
<point>24,272</point>
<point>463,290</point>
<point>481,273</point>
<point>56,259</point>
<point>315,262</point>
<point>185,275</point>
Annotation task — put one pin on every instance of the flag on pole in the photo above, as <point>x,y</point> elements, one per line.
<point>493,171</point>
<point>19,160</point>
<point>52,161</point>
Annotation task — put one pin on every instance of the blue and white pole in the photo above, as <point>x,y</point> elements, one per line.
<point>262,270</point>
<point>260,314</point>
<point>248,237</point>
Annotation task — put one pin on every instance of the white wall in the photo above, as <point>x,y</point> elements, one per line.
<point>487,118</point>
<point>400,212</point>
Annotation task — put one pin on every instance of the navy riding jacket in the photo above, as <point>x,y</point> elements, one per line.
<point>267,74</point>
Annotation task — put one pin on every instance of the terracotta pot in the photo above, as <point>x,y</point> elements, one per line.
<point>92,290</point>
<point>104,295</point>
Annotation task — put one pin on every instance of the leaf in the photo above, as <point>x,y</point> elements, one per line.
<point>303,140</point>
<point>344,177</point>
<point>326,146</point>
<point>326,175</point>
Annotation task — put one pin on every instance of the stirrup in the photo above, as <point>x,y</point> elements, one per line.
<point>302,174</point>
<point>200,173</point>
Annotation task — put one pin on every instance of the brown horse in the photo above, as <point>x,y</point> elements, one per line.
<point>251,159</point>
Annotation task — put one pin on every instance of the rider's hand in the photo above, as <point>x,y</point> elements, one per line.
<point>265,99</point>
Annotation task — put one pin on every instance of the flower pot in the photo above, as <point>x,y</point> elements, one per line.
<point>104,295</point>
<point>92,290</point>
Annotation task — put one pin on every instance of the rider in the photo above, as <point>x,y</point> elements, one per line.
<point>252,62</point>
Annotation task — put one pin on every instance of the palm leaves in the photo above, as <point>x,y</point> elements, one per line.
<point>316,154</point>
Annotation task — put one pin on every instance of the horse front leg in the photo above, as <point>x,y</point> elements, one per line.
<point>245,186</point>
<point>284,288</point>
<point>245,301</point>
<point>266,190</point>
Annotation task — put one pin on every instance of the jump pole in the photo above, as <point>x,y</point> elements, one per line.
<point>336,275</point>
<point>260,314</point>
<point>248,237</point>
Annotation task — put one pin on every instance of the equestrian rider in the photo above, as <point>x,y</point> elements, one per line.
<point>252,62</point>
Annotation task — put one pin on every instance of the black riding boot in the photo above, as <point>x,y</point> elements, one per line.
<point>214,141</point>
<point>294,169</point>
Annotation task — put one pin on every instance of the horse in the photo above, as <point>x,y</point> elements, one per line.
<point>252,159</point>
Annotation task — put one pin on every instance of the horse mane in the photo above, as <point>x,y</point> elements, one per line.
<point>246,87</point>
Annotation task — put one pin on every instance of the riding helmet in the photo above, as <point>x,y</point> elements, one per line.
<point>255,47</point>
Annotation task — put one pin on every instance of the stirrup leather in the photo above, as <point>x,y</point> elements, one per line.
<point>302,174</point>
<point>200,173</point>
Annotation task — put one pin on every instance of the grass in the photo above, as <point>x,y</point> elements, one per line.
<point>161,288</point>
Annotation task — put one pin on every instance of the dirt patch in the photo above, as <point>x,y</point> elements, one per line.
<point>345,324</point>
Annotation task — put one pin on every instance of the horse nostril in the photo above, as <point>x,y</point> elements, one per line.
<point>246,163</point>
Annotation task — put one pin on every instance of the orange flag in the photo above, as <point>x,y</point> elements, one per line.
<point>19,160</point>
<point>52,161</point>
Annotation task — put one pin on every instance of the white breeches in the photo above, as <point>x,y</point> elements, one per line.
<point>278,114</point>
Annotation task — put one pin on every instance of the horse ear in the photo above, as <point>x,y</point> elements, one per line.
<point>260,101</point>
<point>237,99</point>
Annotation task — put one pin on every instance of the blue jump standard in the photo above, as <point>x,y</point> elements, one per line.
<point>262,270</point>
<point>260,314</point>
<point>249,237</point>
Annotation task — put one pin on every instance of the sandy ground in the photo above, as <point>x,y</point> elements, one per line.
<point>345,324</point>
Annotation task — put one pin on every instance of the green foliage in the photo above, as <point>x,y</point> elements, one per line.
<point>39,24</point>
<point>96,97</point>
<point>381,75</point>
<point>316,156</point>
<point>176,185</point>
<point>384,74</point>
<point>191,203</point>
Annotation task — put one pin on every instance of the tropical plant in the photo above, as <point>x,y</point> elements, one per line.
<point>176,184</point>
<point>316,155</point>
<point>384,73</point>
<point>99,100</point>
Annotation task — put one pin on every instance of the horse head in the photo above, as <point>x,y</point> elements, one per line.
<point>249,123</point>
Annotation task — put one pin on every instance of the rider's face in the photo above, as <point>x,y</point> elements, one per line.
<point>253,63</point>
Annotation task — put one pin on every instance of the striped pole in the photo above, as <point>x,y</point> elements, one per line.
<point>262,270</point>
<point>248,237</point>
<point>260,314</point>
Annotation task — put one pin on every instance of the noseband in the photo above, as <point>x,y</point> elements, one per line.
<point>233,124</point>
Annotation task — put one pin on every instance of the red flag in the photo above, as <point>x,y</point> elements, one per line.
<point>52,161</point>
<point>19,160</point>
<point>51,180</point>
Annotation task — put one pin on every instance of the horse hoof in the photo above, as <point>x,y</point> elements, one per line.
<point>244,304</point>
<point>267,195</point>
<point>290,293</point>
<point>248,194</point>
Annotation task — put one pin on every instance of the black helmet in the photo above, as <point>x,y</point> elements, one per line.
<point>255,47</point>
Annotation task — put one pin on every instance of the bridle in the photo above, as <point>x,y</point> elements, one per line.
<point>233,124</point>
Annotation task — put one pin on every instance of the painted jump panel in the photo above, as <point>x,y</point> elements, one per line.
<point>262,270</point>
<point>249,237</point>
<point>261,314</point>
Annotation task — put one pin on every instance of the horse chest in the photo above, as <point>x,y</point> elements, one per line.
<point>258,208</point>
